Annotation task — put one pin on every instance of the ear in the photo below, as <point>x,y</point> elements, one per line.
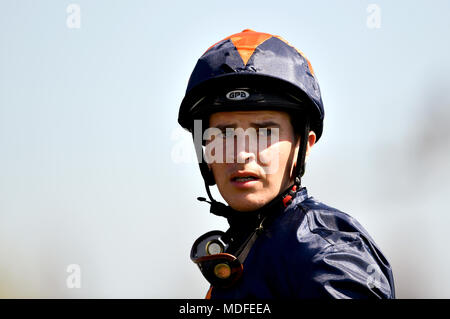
<point>311,142</point>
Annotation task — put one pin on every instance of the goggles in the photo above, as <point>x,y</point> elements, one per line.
<point>219,268</point>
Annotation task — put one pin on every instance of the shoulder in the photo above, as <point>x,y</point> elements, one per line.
<point>334,226</point>
<point>312,221</point>
<point>340,255</point>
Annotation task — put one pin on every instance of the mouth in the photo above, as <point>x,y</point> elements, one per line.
<point>243,179</point>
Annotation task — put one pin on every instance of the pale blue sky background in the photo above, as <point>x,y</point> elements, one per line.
<point>88,130</point>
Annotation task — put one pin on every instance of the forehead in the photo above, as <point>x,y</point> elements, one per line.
<point>248,116</point>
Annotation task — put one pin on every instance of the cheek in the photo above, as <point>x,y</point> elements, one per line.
<point>274,158</point>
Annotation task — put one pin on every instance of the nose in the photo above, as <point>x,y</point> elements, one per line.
<point>244,157</point>
<point>246,149</point>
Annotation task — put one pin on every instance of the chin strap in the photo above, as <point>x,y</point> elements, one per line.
<point>300,170</point>
<point>284,199</point>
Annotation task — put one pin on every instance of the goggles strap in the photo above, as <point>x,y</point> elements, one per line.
<point>246,247</point>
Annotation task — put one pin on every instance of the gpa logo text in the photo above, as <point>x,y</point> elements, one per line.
<point>237,95</point>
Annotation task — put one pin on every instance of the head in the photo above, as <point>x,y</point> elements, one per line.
<point>255,174</point>
<point>250,80</point>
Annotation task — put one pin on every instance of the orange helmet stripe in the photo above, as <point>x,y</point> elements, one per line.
<point>246,42</point>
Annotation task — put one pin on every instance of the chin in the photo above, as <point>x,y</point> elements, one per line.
<point>246,203</point>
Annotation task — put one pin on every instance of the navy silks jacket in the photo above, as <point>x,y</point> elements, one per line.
<point>311,250</point>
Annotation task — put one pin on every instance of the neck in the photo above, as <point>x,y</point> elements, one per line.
<point>277,203</point>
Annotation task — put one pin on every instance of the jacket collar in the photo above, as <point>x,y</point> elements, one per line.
<point>300,196</point>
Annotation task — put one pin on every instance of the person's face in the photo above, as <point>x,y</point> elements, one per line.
<point>255,174</point>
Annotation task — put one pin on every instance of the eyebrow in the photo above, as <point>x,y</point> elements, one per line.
<point>252,124</point>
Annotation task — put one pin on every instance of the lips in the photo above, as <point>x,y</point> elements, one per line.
<point>244,177</point>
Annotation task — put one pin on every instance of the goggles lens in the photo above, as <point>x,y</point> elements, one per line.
<point>219,268</point>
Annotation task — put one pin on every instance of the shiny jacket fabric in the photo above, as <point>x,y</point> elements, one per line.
<point>313,251</point>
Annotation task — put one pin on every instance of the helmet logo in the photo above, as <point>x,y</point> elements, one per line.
<point>237,95</point>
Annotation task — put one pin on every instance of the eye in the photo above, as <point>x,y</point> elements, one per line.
<point>227,133</point>
<point>263,132</point>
